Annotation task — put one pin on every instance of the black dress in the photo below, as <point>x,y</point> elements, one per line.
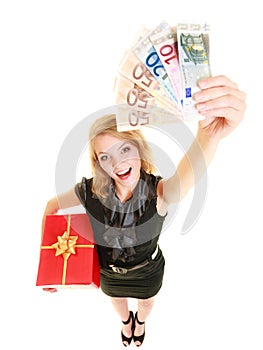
<point>127,234</point>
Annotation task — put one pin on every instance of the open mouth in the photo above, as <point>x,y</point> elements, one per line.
<point>123,174</point>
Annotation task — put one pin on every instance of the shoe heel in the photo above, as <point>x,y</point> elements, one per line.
<point>123,337</point>
<point>139,338</point>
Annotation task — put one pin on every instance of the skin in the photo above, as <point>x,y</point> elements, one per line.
<point>222,105</point>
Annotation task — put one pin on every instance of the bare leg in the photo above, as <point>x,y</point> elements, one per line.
<point>144,309</point>
<point>121,307</point>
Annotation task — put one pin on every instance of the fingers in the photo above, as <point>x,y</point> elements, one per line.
<point>225,101</point>
<point>51,290</point>
<point>228,113</point>
<point>217,92</point>
<point>219,96</point>
<point>220,80</point>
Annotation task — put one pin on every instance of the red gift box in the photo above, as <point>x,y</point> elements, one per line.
<point>68,255</point>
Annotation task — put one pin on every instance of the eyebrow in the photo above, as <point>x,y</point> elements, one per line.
<point>123,144</point>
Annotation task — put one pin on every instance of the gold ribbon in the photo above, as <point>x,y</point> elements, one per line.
<point>65,246</point>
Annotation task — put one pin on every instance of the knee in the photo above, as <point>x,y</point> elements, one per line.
<point>146,303</point>
<point>118,301</point>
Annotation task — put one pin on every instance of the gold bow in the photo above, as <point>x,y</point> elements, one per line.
<point>65,244</point>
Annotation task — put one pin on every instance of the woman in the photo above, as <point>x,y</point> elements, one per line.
<point>127,204</point>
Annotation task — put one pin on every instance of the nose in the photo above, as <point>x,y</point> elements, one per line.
<point>116,160</point>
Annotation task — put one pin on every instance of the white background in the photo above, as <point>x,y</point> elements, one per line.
<point>58,61</point>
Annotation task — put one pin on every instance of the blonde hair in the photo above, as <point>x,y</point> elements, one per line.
<point>107,125</point>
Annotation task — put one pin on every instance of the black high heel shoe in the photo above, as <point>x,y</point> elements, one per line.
<point>139,338</point>
<point>123,337</point>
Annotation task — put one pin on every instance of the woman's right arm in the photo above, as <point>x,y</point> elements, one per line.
<point>65,200</point>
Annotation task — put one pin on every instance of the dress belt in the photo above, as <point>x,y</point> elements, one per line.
<point>123,270</point>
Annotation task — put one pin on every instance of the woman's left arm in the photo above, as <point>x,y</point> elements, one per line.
<point>222,105</point>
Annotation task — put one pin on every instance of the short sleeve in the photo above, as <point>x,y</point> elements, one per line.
<point>154,181</point>
<point>83,190</point>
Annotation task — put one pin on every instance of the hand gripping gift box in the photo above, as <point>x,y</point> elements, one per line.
<point>68,256</point>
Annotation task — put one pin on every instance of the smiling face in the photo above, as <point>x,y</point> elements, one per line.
<point>119,158</point>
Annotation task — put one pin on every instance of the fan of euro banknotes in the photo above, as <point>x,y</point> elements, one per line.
<point>158,75</point>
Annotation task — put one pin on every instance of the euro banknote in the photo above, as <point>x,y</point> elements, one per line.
<point>146,52</point>
<point>132,117</point>
<point>165,44</point>
<point>133,69</point>
<point>193,49</point>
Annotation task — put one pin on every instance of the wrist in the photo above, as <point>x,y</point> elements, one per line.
<point>52,206</point>
<point>205,139</point>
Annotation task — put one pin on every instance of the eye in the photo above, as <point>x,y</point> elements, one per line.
<point>125,149</point>
<point>103,158</point>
